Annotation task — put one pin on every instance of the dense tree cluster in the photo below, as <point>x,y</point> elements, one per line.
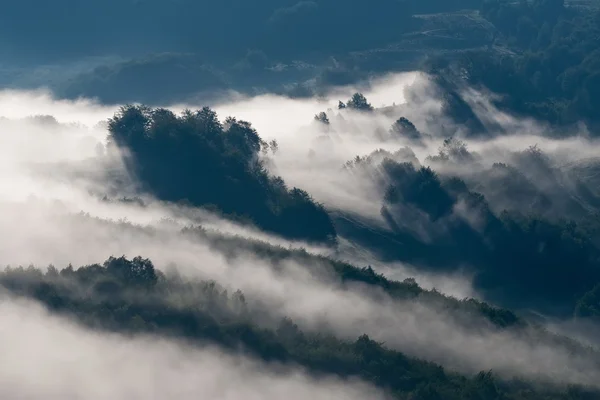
<point>359,102</point>
<point>589,305</point>
<point>520,259</point>
<point>551,70</point>
<point>406,129</point>
<point>196,158</point>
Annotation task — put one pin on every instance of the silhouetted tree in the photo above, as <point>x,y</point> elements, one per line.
<point>194,157</point>
<point>322,118</point>
<point>359,102</point>
<point>405,128</point>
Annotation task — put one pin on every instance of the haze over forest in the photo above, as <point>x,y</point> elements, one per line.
<point>384,199</point>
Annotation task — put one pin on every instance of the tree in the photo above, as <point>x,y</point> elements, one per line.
<point>194,157</point>
<point>137,272</point>
<point>274,146</point>
<point>403,127</point>
<point>454,150</point>
<point>322,118</point>
<point>359,102</point>
<point>589,305</point>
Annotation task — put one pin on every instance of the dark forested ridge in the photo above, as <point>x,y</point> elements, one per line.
<point>542,55</point>
<point>131,296</point>
<point>527,227</point>
<point>551,70</point>
<point>510,231</point>
<point>529,247</point>
<point>268,251</point>
<point>196,158</point>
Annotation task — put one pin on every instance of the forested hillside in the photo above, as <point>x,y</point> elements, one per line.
<point>551,71</point>
<point>172,155</point>
<point>539,54</point>
<point>385,199</point>
<point>132,296</point>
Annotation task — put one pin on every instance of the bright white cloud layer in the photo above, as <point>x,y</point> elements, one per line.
<point>38,190</point>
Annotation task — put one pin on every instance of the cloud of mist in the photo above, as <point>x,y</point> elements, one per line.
<point>44,229</point>
<point>313,298</point>
<point>17,104</point>
<point>311,155</point>
<point>49,357</point>
<point>457,284</point>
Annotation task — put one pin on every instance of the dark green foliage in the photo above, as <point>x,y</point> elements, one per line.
<point>519,260</point>
<point>204,311</point>
<point>359,102</point>
<point>196,158</point>
<point>553,72</point>
<point>404,128</point>
<point>453,150</point>
<point>589,304</point>
<point>420,187</point>
<point>402,155</point>
<point>527,248</point>
<point>137,272</point>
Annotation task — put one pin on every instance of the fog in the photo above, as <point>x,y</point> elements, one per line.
<point>309,295</point>
<point>17,104</point>
<point>457,284</point>
<point>311,155</point>
<point>51,172</point>
<point>49,357</point>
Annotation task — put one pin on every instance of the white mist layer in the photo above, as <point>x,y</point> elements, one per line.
<point>37,230</point>
<point>48,357</point>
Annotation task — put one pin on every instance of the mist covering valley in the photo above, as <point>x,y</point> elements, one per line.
<point>335,218</point>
